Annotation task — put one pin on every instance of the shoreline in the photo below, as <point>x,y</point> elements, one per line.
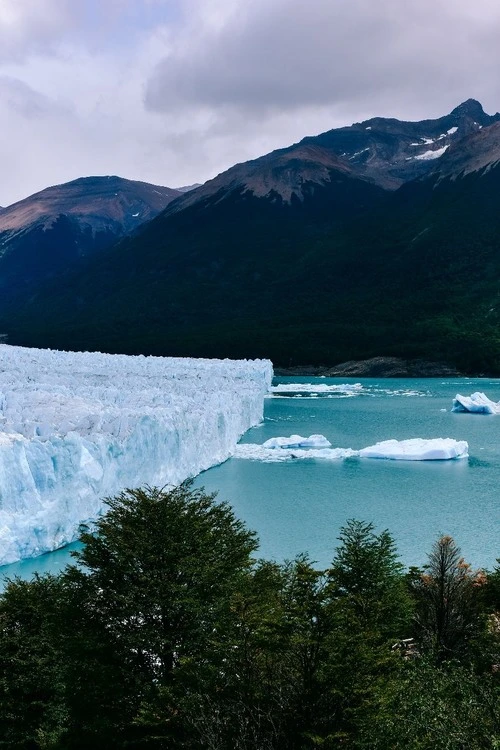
<point>377,367</point>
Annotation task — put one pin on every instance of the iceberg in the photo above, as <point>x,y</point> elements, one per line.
<point>477,403</point>
<point>418,449</point>
<point>415,449</point>
<point>297,441</point>
<point>77,427</point>
<point>255,452</point>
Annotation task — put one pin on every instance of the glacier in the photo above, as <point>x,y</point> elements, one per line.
<point>476,403</point>
<point>282,449</point>
<point>76,427</point>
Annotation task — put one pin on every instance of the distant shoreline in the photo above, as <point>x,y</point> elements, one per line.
<point>376,367</point>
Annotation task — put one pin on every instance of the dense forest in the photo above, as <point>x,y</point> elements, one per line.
<point>169,632</point>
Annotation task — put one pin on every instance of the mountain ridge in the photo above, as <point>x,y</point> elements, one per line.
<point>47,232</point>
<point>303,256</point>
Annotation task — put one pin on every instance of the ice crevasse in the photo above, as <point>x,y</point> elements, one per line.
<point>78,427</point>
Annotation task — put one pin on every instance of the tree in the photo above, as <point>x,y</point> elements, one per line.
<point>367,608</point>
<point>423,706</point>
<point>367,575</point>
<point>154,589</point>
<point>33,713</point>
<point>445,594</point>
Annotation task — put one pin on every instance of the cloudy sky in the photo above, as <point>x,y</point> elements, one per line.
<point>175,91</point>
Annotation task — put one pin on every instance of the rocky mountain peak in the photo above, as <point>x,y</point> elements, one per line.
<point>471,108</point>
<point>383,151</point>
<point>101,203</point>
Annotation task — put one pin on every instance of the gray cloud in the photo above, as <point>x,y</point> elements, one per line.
<point>28,28</point>
<point>175,91</point>
<point>287,54</point>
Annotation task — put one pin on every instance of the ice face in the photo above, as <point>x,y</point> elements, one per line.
<point>78,427</point>
<point>477,403</point>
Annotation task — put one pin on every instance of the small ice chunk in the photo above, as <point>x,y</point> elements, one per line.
<point>297,441</point>
<point>418,449</point>
<point>477,403</point>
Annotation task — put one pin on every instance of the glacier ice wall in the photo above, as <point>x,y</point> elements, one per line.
<point>77,427</point>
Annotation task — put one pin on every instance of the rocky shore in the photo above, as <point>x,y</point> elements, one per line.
<point>377,367</point>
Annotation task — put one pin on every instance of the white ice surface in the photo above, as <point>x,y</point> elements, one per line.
<point>271,455</point>
<point>297,441</point>
<point>418,449</point>
<point>477,403</point>
<point>415,449</point>
<point>338,390</point>
<point>77,427</point>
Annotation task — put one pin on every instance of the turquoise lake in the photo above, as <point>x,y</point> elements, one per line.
<point>300,505</point>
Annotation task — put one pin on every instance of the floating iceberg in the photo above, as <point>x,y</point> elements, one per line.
<point>477,403</point>
<point>415,449</point>
<point>256,452</point>
<point>297,441</point>
<point>76,427</point>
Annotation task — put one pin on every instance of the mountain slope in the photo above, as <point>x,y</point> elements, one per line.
<point>299,258</point>
<point>386,152</point>
<point>44,234</point>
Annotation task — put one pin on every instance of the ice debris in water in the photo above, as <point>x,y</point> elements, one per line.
<point>477,403</point>
<point>347,389</point>
<point>415,449</point>
<point>77,427</point>
<point>297,441</point>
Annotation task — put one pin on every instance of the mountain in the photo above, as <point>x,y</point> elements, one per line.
<point>187,188</point>
<point>46,233</point>
<point>307,256</point>
<point>385,152</point>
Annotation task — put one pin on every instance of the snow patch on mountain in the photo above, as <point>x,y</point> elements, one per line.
<point>427,155</point>
<point>76,427</point>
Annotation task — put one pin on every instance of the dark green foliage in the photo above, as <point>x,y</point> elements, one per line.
<point>158,579</point>
<point>32,705</point>
<point>423,707</point>
<point>446,595</point>
<point>367,575</point>
<point>169,635</point>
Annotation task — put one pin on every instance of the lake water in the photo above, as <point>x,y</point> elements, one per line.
<point>300,506</point>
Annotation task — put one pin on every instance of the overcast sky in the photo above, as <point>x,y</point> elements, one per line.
<point>175,91</point>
